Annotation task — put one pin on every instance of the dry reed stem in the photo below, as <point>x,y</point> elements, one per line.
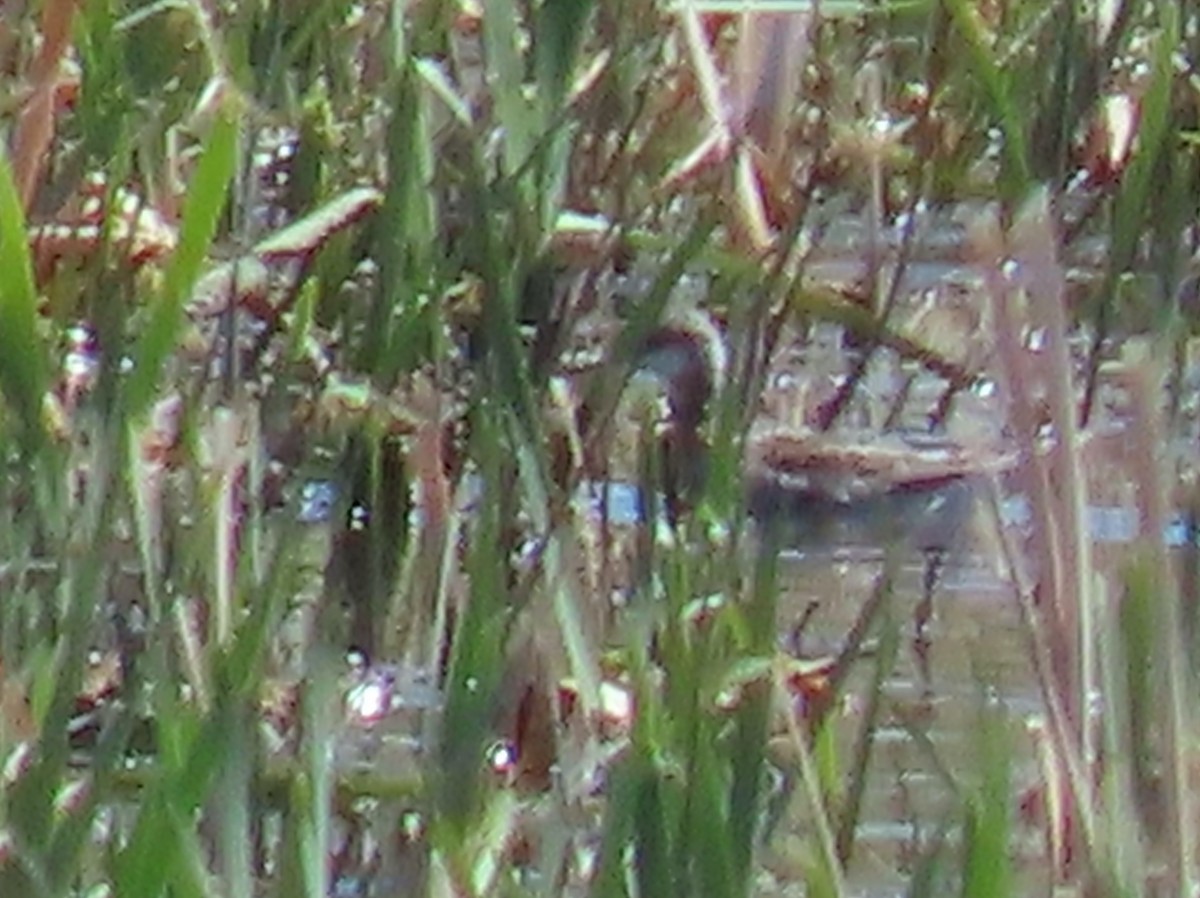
<point>35,125</point>
<point>771,51</point>
<point>725,138</point>
<point>1058,595</point>
<point>1071,799</point>
<point>1030,472</point>
<point>229,460</point>
<point>1039,273</point>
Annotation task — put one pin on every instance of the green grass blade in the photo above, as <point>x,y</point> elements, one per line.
<point>205,202</point>
<point>626,782</point>
<point>1133,208</point>
<point>480,638</point>
<point>987,867</point>
<point>711,862</point>
<point>22,368</point>
<point>745,804</point>
<point>502,39</point>
<point>560,26</point>
<point>1016,178</point>
<point>655,872</point>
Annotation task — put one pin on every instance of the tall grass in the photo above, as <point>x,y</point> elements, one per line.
<point>173,707</point>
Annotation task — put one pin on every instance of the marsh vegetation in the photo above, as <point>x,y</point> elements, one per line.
<point>467,448</point>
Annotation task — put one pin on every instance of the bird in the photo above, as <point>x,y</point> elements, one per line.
<point>817,491</point>
<point>816,488</point>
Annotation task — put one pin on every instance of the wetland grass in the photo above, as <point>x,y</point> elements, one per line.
<point>373,245</point>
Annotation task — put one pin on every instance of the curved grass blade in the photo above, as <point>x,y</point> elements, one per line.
<point>205,202</point>
<point>22,369</point>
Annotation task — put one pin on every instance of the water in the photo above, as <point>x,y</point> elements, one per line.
<point>924,748</point>
<point>826,522</point>
<point>975,656</point>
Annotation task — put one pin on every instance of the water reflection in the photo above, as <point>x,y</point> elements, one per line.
<point>816,521</point>
<point>925,736</point>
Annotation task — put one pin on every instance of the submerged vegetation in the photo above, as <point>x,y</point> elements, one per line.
<point>323,325</point>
